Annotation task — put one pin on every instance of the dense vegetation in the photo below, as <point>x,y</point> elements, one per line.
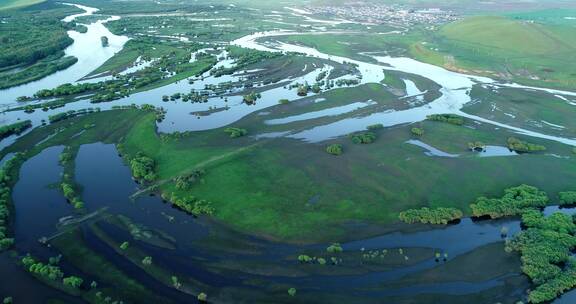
<point>431,215</point>
<point>26,39</point>
<point>515,201</point>
<point>143,167</point>
<point>447,118</point>
<point>518,145</point>
<point>70,189</point>
<point>6,181</point>
<point>546,249</point>
<point>15,128</point>
<point>32,42</point>
<point>568,197</point>
<point>190,204</point>
<point>37,71</point>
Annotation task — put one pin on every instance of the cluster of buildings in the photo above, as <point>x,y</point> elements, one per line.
<point>385,14</point>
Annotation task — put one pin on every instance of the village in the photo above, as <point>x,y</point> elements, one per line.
<point>399,15</point>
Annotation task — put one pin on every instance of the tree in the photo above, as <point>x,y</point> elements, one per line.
<point>73,281</point>
<point>202,297</point>
<point>334,248</point>
<point>334,149</point>
<point>417,131</point>
<point>147,261</point>
<point>124,245</point>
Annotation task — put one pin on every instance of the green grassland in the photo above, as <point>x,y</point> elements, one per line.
<point>368,184</point>
<point>530,110</point>
<point>522,51</point>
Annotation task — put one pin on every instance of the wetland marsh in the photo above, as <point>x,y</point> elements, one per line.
<point>251,152</point>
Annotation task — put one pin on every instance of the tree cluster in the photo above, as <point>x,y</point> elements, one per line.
<point>515,201</point>
<point>363,138</point>
<point>434,216</point>
<point>546,247</point>
<point>15,128</point>
<point>447,118</point>
<point>185,182</point>
<point>143,167</point>
<point>520,146</point>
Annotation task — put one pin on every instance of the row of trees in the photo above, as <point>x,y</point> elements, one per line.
<point>447,118</point>
<point>434,216</point>
<point>15,128</point>
<point>190,204</point>
<point>69,114</point>
<point>521,146</point>
<point>5,196</point>
<point>50,271</point>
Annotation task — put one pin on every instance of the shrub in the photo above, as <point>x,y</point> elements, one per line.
<point>567,198</point>
<point>417,131</point>
<point>334,248</point>
<point>363,138</point>
<point>73,281</point>
<point>375,127</point>
<point>334,149</point>
<point>236,132</point>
